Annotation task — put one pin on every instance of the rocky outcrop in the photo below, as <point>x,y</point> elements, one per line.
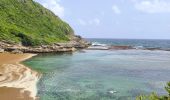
<point>79,42</point>
<point>76,43</point>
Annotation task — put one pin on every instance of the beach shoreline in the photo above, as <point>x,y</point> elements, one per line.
<point>17,81</point>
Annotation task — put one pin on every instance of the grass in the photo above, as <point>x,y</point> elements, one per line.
<point>29,23</point>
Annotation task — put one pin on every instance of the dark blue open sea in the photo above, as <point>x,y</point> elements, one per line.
<point>104,74</point>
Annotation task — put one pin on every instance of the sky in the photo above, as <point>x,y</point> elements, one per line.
<point>131,19</point>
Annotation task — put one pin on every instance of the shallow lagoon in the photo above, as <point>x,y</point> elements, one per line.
<point>101,75</point>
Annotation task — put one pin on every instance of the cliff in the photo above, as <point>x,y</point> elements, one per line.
<point>25,23</point>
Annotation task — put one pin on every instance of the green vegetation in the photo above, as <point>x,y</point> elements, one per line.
<point>154,96</point>
<point>29,23</point>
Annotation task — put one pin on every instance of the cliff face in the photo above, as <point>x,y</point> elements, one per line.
<point>26,26</point>
<point>30,24</point>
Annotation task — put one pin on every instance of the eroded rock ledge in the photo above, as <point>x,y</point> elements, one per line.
<point>73,45</point>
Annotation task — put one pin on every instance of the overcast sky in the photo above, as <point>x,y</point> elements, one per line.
<point>146,19</point>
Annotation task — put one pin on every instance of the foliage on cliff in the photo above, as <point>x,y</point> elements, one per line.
<point>29,23</point>
<point>154,96</point>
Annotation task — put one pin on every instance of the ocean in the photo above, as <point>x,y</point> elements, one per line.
<point>104,74</point>
<point>142,43</point>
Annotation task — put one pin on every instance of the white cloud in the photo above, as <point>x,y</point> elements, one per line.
<point>153,6</point>
<point>82,22</point>
<point>95,21</point>
<point>116,9</point>
<point>54,6</point>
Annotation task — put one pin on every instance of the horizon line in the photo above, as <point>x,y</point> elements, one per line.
<point>128,38</point>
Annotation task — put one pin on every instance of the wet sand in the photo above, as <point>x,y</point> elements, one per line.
<point>6,58</point>
<point>14,94</point>
<point>17,82</point>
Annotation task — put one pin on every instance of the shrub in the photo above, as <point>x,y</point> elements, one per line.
<point>154,96</point>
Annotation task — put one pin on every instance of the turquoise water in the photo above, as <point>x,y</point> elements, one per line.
<point>101,75</point>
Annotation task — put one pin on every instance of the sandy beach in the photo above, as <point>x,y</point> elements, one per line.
<point>17,82</point>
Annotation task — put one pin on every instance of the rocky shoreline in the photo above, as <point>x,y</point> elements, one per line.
<point>77,43</point>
